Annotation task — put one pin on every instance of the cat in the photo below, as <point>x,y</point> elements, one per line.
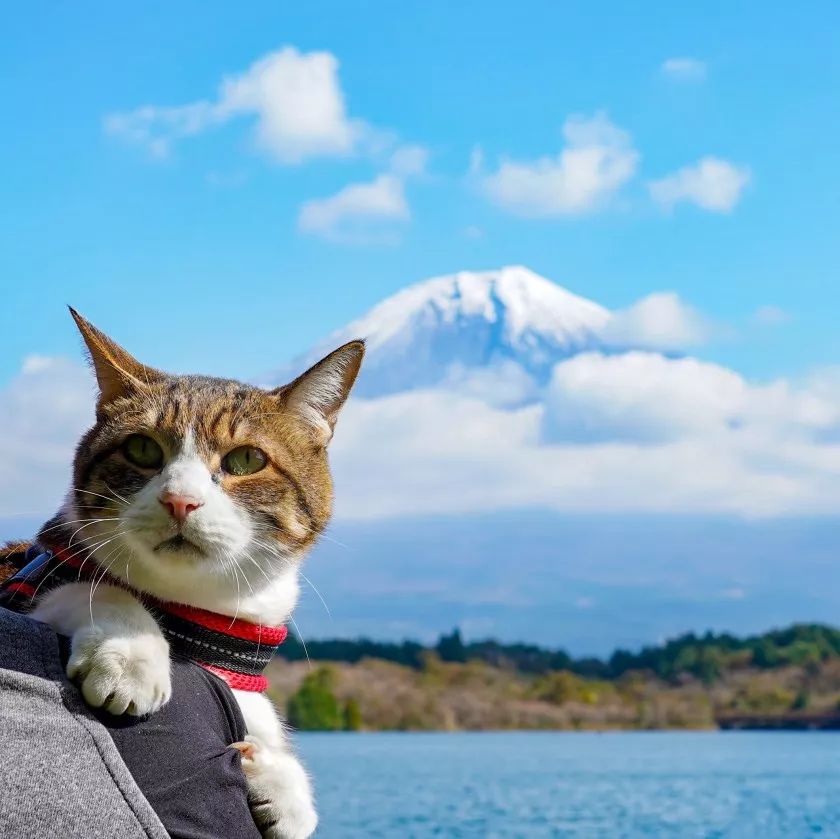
<point>205,492</point>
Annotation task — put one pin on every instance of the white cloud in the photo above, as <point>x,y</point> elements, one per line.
<point>659,321</point>
<point>347,215</point>
<point>597,161</point>
<point>365,213</point>
<point>44,410</point>
<point>502,384</point>
<point>436,452</point>
<point>770,316</point>
<point>226,180</point>
<point>712,184</point>
<point>156,127</point>
<point>684,69</point>
<point>476,164</point>
<point>295,98</point>
<point>630,433</point>
<point>640,396</point>
<point>408,161</point>
<point>634,432</point>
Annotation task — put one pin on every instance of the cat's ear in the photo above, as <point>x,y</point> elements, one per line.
<point>117,372</point>
<point>318,394</point>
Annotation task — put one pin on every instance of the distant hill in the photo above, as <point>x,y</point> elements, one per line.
<point>787,678</point>
<point>706,657</point>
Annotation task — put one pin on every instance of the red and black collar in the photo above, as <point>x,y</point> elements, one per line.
<point>234,649</point>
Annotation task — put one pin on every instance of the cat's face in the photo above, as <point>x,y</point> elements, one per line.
<point>199,475</point>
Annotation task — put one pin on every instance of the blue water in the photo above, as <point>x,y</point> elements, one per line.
<point>753,785</point>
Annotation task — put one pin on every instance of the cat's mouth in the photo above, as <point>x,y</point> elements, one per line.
<point>178,544</point>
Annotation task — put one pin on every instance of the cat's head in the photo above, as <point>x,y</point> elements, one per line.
<point>185,477</point>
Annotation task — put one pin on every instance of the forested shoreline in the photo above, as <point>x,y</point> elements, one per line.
<point>785,678</point>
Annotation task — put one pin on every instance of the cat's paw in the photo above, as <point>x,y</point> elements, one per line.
<point>121,674</point>
<point>278,791</point>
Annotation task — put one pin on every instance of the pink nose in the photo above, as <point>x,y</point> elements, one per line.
<point>179,506</point>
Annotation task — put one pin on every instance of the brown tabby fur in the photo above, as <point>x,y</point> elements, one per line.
<point>291,496</point>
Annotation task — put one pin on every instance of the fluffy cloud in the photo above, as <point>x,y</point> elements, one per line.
<point>597,161</point>
<point>409,161</point>
<point>366,212</point>
<point>631,432</point>
<point>640,396</point>
<point>648,397</point>
<point>44,410</point>
<point>684,69</point>
<point>770,315</point>
<point>295,98</point>
<point>347,215</point>
<point>660,321</point>
<point>712,184</point>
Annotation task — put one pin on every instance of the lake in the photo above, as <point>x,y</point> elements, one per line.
<point>767,785</point>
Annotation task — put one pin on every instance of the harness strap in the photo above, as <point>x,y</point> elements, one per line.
<point>236,650</point>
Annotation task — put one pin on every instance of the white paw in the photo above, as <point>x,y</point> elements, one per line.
<point>278,791</point>
<point>121,674</point>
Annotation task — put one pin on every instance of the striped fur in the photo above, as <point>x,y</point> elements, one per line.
<point>280,510</point>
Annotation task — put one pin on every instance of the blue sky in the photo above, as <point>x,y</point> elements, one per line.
<point>205,243</point>
<point>153,180</point>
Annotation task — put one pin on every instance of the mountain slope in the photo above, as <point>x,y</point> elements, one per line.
<point>419,336</point>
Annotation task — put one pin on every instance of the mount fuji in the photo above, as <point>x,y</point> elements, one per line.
<point>522,462</point>
<point>438,330</point>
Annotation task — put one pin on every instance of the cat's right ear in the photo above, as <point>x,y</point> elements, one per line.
<point>117,373</point>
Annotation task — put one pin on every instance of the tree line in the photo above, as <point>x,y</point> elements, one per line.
<point>705,656</point>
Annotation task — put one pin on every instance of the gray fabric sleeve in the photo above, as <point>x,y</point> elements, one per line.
<point>60,773</point>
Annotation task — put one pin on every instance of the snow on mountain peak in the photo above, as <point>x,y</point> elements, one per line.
<point>469,320</point>
<point>516,298</point>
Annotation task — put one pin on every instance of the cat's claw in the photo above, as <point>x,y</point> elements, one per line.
<point>121,674</point>
<point>278,791</point>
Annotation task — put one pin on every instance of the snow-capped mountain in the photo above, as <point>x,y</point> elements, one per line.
<point>460,322</point>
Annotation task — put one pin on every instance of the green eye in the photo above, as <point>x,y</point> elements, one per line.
<point>244,461</point>
<point>143,451</point>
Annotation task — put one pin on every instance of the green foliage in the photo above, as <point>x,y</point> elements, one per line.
<point>772,700</point>
<point>704,657</point>
<point>802,701</point>
<point>314,707</point>
<point>558,688</point>
<point>451,647</point>
<point>352,715</point>
<point>562,686</point>
<point>708,656</point>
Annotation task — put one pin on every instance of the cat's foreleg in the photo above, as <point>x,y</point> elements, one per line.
<point>279,790</point>
<point>118,654</point>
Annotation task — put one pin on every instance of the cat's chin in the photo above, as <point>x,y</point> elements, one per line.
<point>174,551</point>
<point>181,547</point>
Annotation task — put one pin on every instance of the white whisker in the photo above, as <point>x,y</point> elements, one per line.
<point>303,643</point>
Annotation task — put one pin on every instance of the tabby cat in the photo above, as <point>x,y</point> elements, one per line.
<point>205,492</point>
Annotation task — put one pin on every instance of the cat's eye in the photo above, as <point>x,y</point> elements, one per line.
<point>143,451</point>
<point>244,461</point>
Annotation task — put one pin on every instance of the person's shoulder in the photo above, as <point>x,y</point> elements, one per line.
<point>213,693</point>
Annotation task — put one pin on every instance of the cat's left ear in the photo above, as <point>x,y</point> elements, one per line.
<point>319,393</point>
<point>117,372</point>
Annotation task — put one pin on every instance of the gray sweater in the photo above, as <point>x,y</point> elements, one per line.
<point>60,774</point>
